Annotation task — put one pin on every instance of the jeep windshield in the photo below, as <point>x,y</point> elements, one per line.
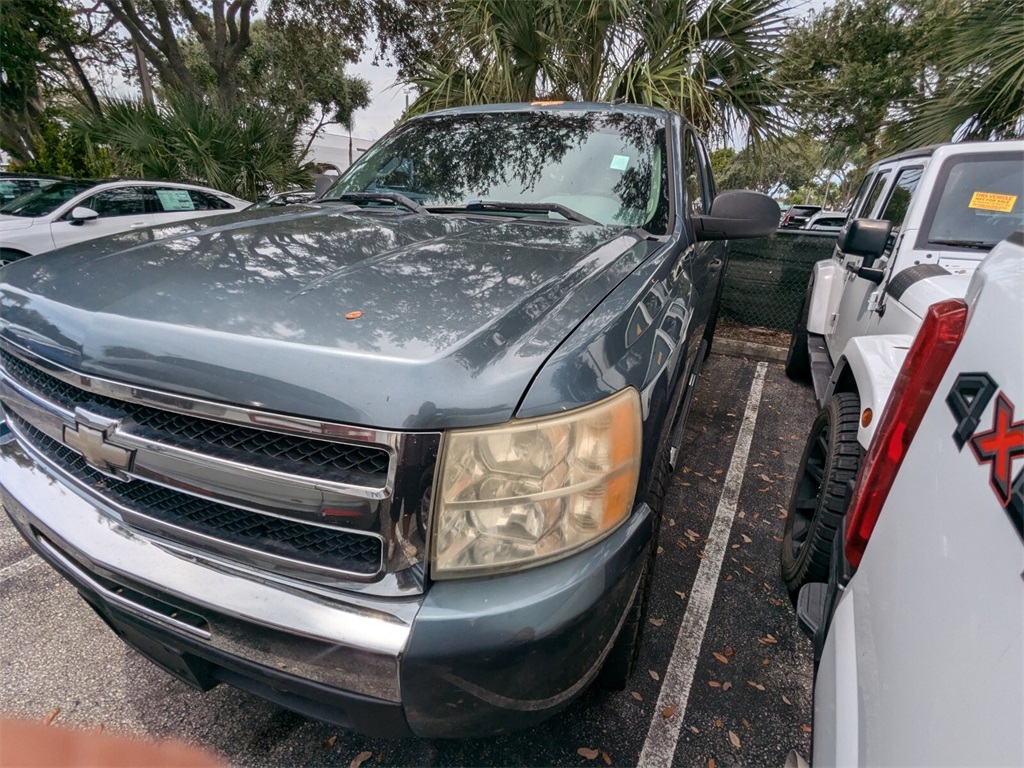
<point>982,202</point>
<point>45,201</point>
<point>580,166</point>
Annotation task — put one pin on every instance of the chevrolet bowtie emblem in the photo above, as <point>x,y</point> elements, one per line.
<point>92,444</point>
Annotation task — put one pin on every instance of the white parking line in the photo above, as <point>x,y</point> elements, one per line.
<point>663,734</point>
<point>20,567</point>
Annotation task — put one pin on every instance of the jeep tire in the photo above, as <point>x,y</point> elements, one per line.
<point>818,503</point>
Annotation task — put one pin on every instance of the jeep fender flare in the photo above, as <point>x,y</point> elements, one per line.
<point>826,276</point>
<point>869,366</point>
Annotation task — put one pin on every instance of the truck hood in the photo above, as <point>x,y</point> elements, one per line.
<point>382,319</point>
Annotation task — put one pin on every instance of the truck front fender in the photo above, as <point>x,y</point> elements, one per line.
<point>825,277</point>
<point>869,366</point>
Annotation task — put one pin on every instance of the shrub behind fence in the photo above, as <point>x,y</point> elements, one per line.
<point>766,277</point>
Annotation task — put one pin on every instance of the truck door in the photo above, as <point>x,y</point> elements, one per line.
<point>857,311</point>
<point>704,261</point>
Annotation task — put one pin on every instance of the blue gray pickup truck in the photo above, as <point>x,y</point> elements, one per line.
<point>395,459</point>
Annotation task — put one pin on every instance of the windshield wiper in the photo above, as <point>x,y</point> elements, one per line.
<point>379,197</point>
<point>494,205</point>
<point>979,244</point>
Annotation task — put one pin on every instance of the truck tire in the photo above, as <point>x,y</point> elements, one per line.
<point>798,359</point>
<point>818,503</point>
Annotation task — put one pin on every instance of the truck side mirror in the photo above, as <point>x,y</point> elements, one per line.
<point>865,237</point>
<point>737,213</point>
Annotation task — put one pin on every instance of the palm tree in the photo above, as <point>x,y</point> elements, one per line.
<point>978,77</point>
<point>242,150</point>
<point>709,59</point>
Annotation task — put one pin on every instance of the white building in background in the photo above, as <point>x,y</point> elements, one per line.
<point>337,151</point>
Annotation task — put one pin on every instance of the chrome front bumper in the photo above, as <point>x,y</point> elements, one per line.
<point>467,658</point>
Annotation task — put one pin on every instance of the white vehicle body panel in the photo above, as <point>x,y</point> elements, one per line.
<point>927,638</point>
<point>53,230</point>
<point>828,278</point>
<point>874,362</point>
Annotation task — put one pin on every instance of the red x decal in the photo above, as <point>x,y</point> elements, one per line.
<point>1000,446</point>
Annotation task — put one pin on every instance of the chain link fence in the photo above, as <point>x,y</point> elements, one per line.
<point>767,276</point>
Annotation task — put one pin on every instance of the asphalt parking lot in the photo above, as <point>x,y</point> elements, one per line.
<point>724,676</point>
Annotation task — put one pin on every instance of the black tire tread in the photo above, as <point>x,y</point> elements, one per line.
<point>812,562</point>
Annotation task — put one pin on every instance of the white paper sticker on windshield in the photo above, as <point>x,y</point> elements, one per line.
<point>175,200</point>
<point>619,163</point>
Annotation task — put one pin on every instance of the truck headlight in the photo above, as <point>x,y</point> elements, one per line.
<point>533,491</point>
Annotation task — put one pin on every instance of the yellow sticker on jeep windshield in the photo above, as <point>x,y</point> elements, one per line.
<point>992,201</point>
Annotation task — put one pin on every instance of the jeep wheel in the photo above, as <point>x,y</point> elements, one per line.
<point>798,359</point>
<point>830,461</point>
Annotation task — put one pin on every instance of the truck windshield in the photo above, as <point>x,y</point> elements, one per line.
<point>608,167</point>
<point>46,201</point>
<point>982,201</point>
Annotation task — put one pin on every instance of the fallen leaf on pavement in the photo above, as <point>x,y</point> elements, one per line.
<point>695,729</point>
<point>51,716</point>
<point>765,477</point>
<point>718,722</point>
<point>714,684</point>
<point>734,739</point>
<point>682,595</point>
<point>746,723</point>
<point>653,674</point>
<point>330,742</point>
<point>766,662</point>
<point>752,684</point>
<point>353,315</point>
<point>726,685</point>
<point>359,759</point>
<point>806,728</point>
<point>720,657</point>
<point>711,762</point>
<point>787,701</point>
<point>667,712</point>
<point>590,754</point>
<point>767,640</point>
<point>746,539</point>
<point>730,652</point>
<point>607,758</point>
<point>748,569</point>
<point>636,695</point>
<point>656,622</point>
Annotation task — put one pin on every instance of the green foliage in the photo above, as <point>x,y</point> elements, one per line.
<point>296,71</point>
<point>979,70</point>
<point>711,61</point>
<point>243,150</point>
<point>32,33</point>
<point>61,151</point>
<point>850,68</point>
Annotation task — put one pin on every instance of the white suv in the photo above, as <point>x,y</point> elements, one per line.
<point>919,629</point>
<point>71,211</point>
<point>919,225</point>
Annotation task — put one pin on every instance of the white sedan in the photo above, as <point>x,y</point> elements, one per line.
<point>919,630</point>
<point>72,211</point>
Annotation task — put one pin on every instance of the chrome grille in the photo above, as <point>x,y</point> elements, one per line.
<point>315,545</point>
<point>364,465</point>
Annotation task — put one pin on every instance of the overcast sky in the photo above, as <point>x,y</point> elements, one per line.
<point>386,105</point>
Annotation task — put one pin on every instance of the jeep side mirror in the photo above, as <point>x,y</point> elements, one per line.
<point>80,214</point>
<point>865,237</point>
<point>737,213</point>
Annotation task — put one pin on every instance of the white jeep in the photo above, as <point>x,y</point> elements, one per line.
<point>919,225</point>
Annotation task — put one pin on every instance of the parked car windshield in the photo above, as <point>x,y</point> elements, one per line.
<point>982,202</point>
<point>609,167</point>
<point>47,200</point>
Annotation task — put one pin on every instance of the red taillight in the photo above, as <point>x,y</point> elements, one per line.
<point>915,386</point>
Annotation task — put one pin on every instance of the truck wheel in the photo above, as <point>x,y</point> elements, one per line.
<point>621,660</point>
<point>830,461</point>
<point>798,359</point>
